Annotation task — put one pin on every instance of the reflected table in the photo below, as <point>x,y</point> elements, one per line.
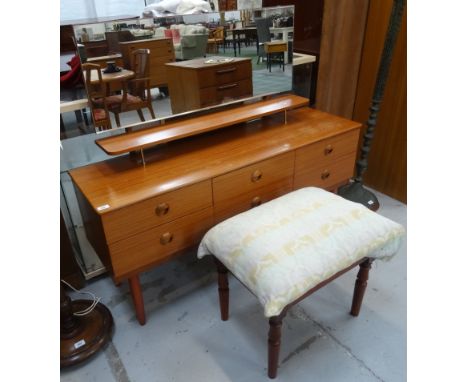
<point>274,48</point>
<point>240,35</point>
<point>109,78</point>
<point>284,32</point>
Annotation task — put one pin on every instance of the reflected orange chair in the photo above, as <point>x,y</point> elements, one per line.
<point>136,93</point>
<point>96,97</point>
<point>216,38</point>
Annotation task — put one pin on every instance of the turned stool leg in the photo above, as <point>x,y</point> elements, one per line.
<point>223,289</point>
<point>360,286</point>
<point>274,342</point>
<point>137,297</point>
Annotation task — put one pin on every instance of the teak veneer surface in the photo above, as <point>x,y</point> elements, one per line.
<point>200,63</point>
<point>121,181</point>
<point>146,138</point>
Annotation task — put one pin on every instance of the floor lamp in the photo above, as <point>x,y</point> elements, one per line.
<point>85,328</point>
<point>355,191</point>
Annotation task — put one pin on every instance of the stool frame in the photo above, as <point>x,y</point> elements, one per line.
<point>274,334</point>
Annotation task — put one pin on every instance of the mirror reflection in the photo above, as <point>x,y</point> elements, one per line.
<point>145,68</point>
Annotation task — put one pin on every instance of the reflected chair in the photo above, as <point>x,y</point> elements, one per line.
<point>96,97</point>
<point>72,86</point>
<point>263,36</point>
<point>136,93</point>
<point>228,36</point>
<point>72,79</point>
<point>80,50</point>
<point>216,39</point>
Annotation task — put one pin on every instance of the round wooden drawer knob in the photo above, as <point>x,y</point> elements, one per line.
<point>256,176</point>
<point>328,149</point>
<point>325,175</point>
<point>162,209</point>
<point>166,238</point>
<point>256,201</point>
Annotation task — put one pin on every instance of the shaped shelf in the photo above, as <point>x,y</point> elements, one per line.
<point>146,138</point>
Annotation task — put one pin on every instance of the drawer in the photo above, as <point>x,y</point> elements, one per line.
<point>327,151</point>
<point>226,92</point>
<point>248,200</point>
<point>261,179</point>
<point>155,245</point>
<point>225,74</point>
<point>325,175</point>
<point>161,209</point>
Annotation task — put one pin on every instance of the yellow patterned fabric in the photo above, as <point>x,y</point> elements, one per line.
<point>285,247</point>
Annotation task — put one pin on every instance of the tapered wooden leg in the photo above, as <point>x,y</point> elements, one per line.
<point>117,119</point>
<point>150,108</point>
<point>274,342</point>
<point>223,289</point>
<point>137,297</point>
<point>140,114</point>
<point>360,286</point>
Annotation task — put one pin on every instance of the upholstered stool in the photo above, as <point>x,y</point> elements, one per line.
<point>285,249</point>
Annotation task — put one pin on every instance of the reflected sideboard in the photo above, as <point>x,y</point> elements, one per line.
<point>161,52</point>
<point>195,84</point>
<point>138,216</point>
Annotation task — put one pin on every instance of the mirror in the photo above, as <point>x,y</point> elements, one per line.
<point>153,68</point>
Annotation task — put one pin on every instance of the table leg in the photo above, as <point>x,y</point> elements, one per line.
<point>285,39</point>
<point>137,296</point>
<point>234,44</point>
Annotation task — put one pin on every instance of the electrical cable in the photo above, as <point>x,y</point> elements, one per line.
<point>90,308</point>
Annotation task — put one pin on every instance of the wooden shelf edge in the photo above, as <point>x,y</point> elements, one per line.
<point>146,138</point>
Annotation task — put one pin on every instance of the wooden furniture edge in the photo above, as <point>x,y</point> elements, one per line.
<point>356,125</point>
<point>184,64</point>
<point>76,104</point>
<point>106,58</point>
<point>188,127</point>
<point>144,40</point>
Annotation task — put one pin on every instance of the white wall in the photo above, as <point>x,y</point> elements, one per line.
<point>83,9</point>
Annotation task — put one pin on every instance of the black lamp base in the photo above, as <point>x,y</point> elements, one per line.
<point>356,192</point>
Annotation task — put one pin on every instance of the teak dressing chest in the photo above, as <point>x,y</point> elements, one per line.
<point>138,216</point>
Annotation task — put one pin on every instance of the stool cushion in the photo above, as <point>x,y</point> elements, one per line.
<point>283,248</point>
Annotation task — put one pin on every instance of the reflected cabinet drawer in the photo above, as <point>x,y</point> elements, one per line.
<point>225,74</point>
<point>161,209</point>
<point>156,244</point>
<point>250,186</point>
<point>158,47</point>
<point>225,92</point>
